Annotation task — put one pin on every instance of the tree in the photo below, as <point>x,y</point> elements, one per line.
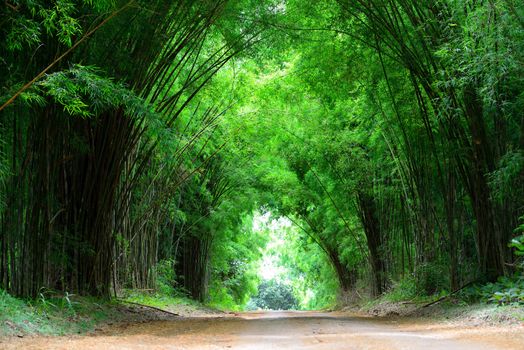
<point>274,295</point>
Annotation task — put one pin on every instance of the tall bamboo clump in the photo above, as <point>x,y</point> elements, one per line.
<point>70,191</point>
<point>465,115</point>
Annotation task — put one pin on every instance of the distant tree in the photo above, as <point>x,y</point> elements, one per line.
<point>275,295</point>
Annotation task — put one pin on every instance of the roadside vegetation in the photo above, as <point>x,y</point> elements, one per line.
<point>53,315</point>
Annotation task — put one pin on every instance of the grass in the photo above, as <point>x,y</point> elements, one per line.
<point>160,300</point>
<point>472,305</point>
<point>402,291</point>
<point>59,314</point>
<point>52,314</point>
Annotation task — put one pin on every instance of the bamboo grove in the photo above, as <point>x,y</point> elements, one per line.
<point>142,135</point>
<point>81,146</point>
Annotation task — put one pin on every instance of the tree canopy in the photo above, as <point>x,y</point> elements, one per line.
<point>139,137</point>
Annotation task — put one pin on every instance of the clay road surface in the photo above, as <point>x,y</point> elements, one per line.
<point>283,330</point>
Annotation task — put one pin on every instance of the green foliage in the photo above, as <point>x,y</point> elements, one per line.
<point>293,258</point>
<point>431,278</point>
<point>274,295</point>
<point>29,21</point>
<point>83,91</point>
<point>53,314</point>
<point>313,278</point>
<point>501,180</point>
<point>159,300</point>
<point>405,289</point>
<point>395,148</point>
<point>507,290</point>
<point>59,19</point>
<point>23,32</point>
<point>517,244</point>
<point>235,258</point>
<point>165,277</point>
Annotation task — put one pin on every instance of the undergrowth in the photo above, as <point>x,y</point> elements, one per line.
<point>158,299</point>
<point>505,291</point>
<point>166,294</point>
<point>51,314</point>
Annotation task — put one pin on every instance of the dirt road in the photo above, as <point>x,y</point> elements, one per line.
<point>283,330</point>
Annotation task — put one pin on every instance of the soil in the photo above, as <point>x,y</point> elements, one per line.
<point>285,330</point>
<point>449,312</point>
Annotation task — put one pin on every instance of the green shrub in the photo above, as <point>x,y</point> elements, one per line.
<point>274,295</point>
<point>51,313</point>
<point>507,290</point>
<point>166,278</point>
<point>405,289</point>
<point>431,277</point>
<point>220,298</point>
<point>513,292</point>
